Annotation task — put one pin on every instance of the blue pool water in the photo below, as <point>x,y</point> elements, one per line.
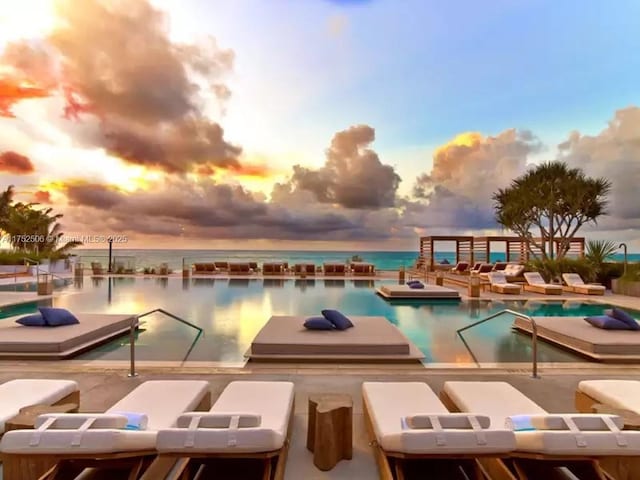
<point>232,311</point>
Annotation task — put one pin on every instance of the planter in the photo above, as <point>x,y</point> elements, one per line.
<point>625,287</point>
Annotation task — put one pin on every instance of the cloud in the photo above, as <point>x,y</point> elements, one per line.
<point>143,95</point>
<point>42,196</point>
<point>466,172</point>
<point>12,162</point>
<point>353,175</point>
<point>614,153</point>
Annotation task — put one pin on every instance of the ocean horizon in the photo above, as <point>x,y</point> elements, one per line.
<point>383,260</point>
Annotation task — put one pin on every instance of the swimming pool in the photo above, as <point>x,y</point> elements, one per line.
<point>232,311</point>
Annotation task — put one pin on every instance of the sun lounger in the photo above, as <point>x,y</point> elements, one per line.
<point>362,268</point>
<point>499,284</point>
<point>484,268</point>
<point>308,269</point>
<point>513,272</point>
<point>461,267</point>
<point>622,395</point>
<point>62,445</point>
<point>575,284</point>
<point>273,268</point>
<point>577,442</point>
<point>16,394</point>
<point>334,268</point>
<point>410,428</point>
<point>239,268</point>
<point>204,268</point>
<point>536,284</point>
<point>246,432</point>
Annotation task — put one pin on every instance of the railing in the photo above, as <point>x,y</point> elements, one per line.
<point>534,335</point>
<point>132,335</point>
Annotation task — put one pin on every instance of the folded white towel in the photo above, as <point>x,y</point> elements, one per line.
<point>135,421</point>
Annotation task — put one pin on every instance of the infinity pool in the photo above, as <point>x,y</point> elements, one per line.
<point>232,311</point>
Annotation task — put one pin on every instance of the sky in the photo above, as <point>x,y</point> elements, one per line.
<point>355,124</point>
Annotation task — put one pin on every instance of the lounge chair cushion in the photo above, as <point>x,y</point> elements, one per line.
<point>33,320</point>
<point>219,420</point>
<point>577,434</point>
<point>163,401</point>
<point>340,321</point>
<point>498,400</point>
<point>624,317</point>
<point>318,323</point>
<point>19,393</point>
<point>271,401</point>
<point>389,404</point>
<point>56,317</point>
<point>621,394</point>
<point>607,323</point>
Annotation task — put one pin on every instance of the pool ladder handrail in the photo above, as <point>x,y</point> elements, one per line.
<point>135,321</point>
<point>534,334</point>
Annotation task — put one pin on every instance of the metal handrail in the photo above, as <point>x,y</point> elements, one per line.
<point>534,334</point>
<point>132,335</point>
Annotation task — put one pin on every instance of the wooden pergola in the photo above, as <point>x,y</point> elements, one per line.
<point>515,248</point>
<point>464,248</point>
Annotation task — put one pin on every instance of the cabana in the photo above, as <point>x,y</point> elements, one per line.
<point>516,248</point>
<point>464,249</point>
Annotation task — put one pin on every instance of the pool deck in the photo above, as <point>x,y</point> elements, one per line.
<point>103,383</point>
<point>100,388</point>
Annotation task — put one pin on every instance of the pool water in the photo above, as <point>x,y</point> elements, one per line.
<point>232,311</point>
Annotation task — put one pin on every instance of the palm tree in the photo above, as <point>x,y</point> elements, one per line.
<point>597,254</point>
<point>555,199</point>
<point>6,199</point>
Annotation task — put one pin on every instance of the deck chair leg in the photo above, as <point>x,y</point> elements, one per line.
<point>135,471</point>
<point>399,468</point>
<point>626,468</point>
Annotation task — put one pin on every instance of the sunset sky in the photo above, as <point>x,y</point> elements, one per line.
<point>312,124</point>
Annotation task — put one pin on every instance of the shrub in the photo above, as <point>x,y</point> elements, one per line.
<point>633,273</point>
<point>552,269</point>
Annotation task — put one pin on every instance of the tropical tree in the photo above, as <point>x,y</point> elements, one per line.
<point>31,230</point>
<point>554,199</point>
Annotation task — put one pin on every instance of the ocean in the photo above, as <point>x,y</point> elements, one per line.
<point>139,258</point>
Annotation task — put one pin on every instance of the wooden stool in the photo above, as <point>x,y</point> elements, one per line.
<point>26,417</point>
<point>330,430</point>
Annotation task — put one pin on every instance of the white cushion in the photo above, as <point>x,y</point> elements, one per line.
<point>16,394</point>
<point>572,279</point>
<point>622,394</point>
<point>497,400</point>
<point>272,402</point>
<point>497,278</point>
<point>389,403</point>
<point>534,278</point>
<point>578,434</point>
<point>162,400</point>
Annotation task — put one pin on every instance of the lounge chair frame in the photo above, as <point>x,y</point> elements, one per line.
<point>175,466</point>
<point>62,466</point>
<point>534,466</point>
<point>392,465</point>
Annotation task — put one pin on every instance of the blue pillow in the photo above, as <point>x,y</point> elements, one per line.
<point>606,322</point>
<point>55,317</point>
<point>338,319</point>
<point>33,320</point>
<point>417,285</point>
<point>410,282</point>
<point>318,323</point>
<point>624,317</point>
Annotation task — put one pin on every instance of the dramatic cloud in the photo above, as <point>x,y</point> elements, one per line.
<point>614,154</point>
<point>466,172</point>
<point>12,162</point>
<point>145,95</point>
<point>353,175</point>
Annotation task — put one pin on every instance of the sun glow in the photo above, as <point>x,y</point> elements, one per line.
<point>26,19</point>
<point>466,139</point>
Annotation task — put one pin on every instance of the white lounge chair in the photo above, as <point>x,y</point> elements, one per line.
<point>246,433</point>
<point>621,396</point>
<point>575,284</point>
<point>410,428</point>
<point>62,445</point>
<point>16,394</point>
<point>574,442</point>
<point>499,284</point>
<point>536,284</point>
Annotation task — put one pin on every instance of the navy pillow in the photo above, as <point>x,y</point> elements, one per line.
<point>338,319</point>
<point>33,320</point>
<point>606,322</point>
<point>55,317</point>
<point>318,323</point>
<point>410,282</point>
<point>417,285</point>
<point>624,317</point>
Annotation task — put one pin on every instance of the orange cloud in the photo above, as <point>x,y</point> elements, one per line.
<point>241,170</point>
<point>42,196</point>
<point>12,162</point>
<point>13,91</point>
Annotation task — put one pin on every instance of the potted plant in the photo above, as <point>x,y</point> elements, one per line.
<point>629,283</point>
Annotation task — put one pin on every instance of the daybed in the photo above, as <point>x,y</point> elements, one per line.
<point>499,284</point>
<point>575,284</point>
